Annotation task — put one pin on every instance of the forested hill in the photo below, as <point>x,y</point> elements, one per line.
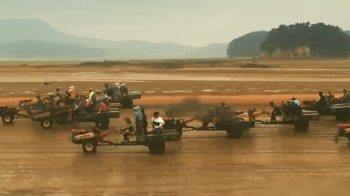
<point>305,39</point>
<point>247,45</point>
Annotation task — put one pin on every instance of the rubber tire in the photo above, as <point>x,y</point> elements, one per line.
<point>46,120</point>
<point>4,118</point>
<point>103,123</point>
<point>88,143</point>
<point>179,131</point>
<point>234,132</point>
<point>156,146</point>
<point>301,126</point>
<point>127,103</point>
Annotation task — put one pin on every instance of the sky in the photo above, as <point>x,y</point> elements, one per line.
<point>188,22</point>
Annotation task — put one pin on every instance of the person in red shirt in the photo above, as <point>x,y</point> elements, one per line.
<point>102,107</point>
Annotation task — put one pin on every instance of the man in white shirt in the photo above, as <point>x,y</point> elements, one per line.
<point>157,123</point>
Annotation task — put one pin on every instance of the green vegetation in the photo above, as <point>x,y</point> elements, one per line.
<point>247,45</point>
<point>322,40</point>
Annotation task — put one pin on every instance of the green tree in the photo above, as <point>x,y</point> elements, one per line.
<point>323,40</point>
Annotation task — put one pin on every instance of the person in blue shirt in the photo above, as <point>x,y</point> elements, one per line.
<point>138,120</point>
<point>39,105</point>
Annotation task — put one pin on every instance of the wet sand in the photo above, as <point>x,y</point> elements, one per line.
<point>40,162</point>
<point>268,160</point>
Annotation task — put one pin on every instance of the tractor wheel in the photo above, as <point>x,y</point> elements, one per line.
<point>234,132</point>
<point>89,147</point>
<point>156,146</point>
<point>126,102</point>
<point>46,124</point>
<point>7,118</point>
<point>301,125</point>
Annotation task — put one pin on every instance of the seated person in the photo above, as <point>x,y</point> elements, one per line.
<point>39,105</point>
<point>296,107</point>
<point>275,112</point>
<point>129,130</point>
<point>157,123</point>
<point>88,105</point>
<point>102,107</point>
<point>322,102</point>
<point>79,109</point>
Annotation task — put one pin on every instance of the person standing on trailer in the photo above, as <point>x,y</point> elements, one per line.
<point>138,120</point>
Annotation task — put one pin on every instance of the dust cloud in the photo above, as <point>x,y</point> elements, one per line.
<point>187,107</point>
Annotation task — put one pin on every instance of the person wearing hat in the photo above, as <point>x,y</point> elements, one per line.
<point>128,131</point>
<point>157,123</point>
<point>138,120</point>
<point>346,96</point>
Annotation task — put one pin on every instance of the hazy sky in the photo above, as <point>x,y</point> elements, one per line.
<point>190,22</point>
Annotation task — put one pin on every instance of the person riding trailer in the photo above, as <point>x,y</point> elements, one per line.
<point>123,88</point>
<point>277,111</point>
<point>322,102</point>
<point>296,107</point>
<point>128,131</point>
<point>102,107</point>
<point>92,96</point>
<point>157,124</point>
<point>138,120</point>
<point>59,97</point>
<point>109,91</point>
<point>346,96</point>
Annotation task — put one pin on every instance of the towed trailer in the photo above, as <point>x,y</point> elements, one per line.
<point>341,111</point>
<point>89,141</point>
<point>233,127</point>
<point>62,113</point>
<point>301,122</point>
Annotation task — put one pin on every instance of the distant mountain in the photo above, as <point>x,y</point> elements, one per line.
<point>211,50</point>
<point>32,37</point>
<point>247,45</point>
<point>38,49</point>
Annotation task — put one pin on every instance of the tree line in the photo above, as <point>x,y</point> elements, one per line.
<point>323,40</point>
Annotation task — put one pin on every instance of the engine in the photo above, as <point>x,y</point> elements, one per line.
<point>80,134</point>
<point>169,123</point>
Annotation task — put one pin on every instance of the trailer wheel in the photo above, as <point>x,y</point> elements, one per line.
<point>7,118</point>
<point>179,131</point>
<point>102,123</point>
<point>156,146</point>
<point>301,125</point>
<point>46,124</point>
<point>89,147</point>
<point>126,102</point>
<point>336,137</point>
<point>234,132</point>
